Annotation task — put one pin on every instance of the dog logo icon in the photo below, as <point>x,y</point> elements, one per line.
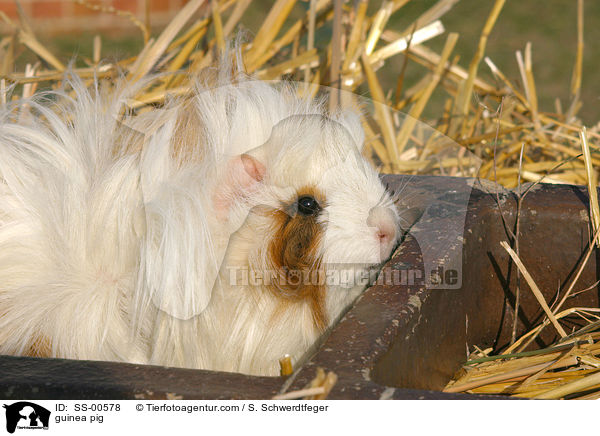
<point>26,415</point>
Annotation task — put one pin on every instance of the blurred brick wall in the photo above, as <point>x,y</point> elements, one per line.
<point>64,16</point>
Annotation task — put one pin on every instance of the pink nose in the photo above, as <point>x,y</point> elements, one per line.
<point>385,236</point>
<point>383,219</point>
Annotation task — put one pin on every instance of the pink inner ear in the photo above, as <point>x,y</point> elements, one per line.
<point>243,174</point>
<point>253,167</point>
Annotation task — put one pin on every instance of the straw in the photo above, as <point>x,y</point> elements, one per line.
<point>384,117</point>
<point>416,111</point>
<point>592,183</point>
<point>271,26</point>
<point>336,49</point>
<point>379,22</point>
<point>536,291</point>
<point>577,68</point>
<point>218,25</point>
<point>508,375</point>
<point>474,65</point>
<point>569,388</point>
<point>156,49</point>
<point>286,365</point>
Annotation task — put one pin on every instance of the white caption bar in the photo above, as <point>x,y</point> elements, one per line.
<point>149,417</point>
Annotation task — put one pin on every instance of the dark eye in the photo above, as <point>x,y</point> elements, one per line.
<point>307,205</point>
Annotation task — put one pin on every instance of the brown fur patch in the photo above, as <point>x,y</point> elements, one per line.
<point>40,347</point>
<point>188,138</point>
<point>186,143</point>
<point>129,141</point>
<point>294,251</point>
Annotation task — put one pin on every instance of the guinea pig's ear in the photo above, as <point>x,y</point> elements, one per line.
<point>254,170</point>
<point>243,174</point>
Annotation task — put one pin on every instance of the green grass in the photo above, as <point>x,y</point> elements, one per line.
<point>550,25</point>
<point>76,47</point>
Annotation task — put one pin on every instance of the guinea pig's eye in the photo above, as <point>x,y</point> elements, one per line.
<point>307,205</point>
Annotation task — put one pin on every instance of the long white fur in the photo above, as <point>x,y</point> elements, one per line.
<point>116,255</point>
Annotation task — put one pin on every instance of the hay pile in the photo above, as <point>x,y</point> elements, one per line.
<point>569,369</point>
<point>494,121</point>
<point>499,123</point>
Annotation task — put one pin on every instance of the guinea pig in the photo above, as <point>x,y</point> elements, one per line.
<point>212,233</point>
